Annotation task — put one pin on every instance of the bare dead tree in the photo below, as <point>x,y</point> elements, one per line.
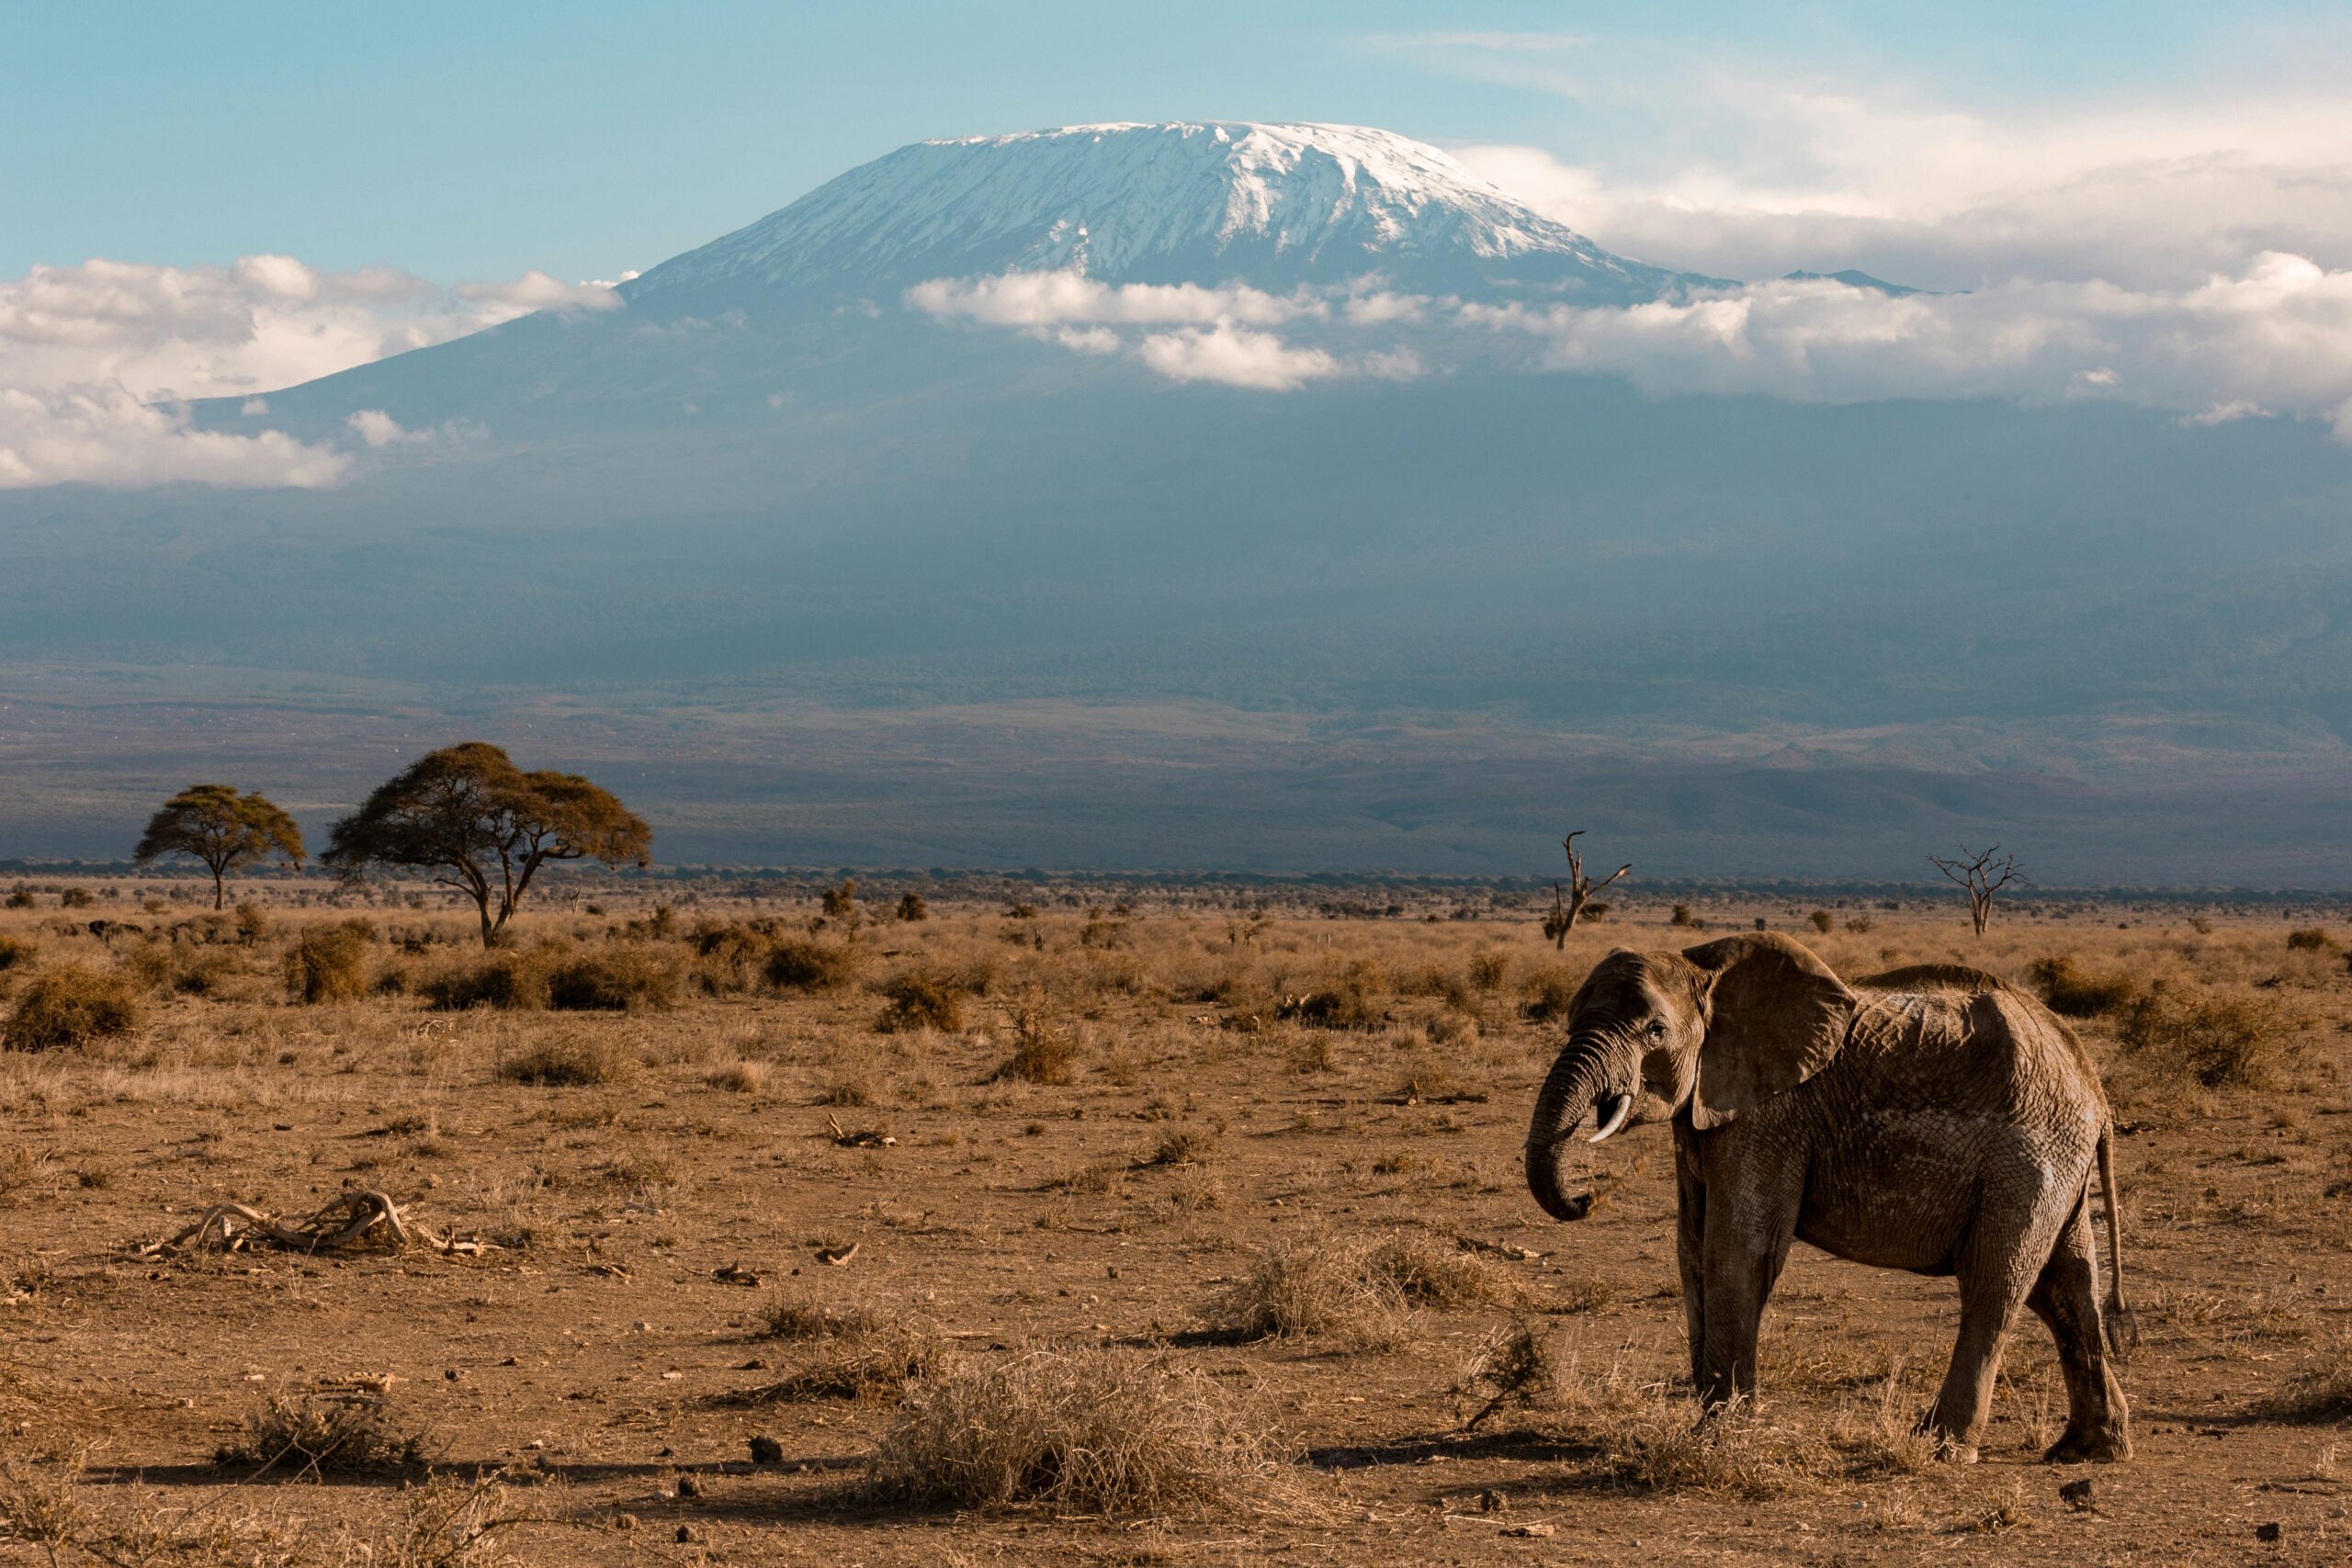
<point>1568,903</point>
<point>1983,876</point>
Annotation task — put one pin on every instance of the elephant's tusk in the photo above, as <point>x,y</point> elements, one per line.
<point>1615,1120</point>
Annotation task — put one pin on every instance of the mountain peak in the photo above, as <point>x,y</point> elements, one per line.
<point>1274,205</point>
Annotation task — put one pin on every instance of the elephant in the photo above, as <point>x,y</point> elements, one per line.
<point>1933,1119</point>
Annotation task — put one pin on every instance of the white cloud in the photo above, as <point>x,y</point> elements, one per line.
<point>1235,356</point>
<point>1040,299</point>
<point>537,291</point>
<point>82,347</point>
<point>2276,336</point>
<point>1748,178</point>
<point>103,435</point>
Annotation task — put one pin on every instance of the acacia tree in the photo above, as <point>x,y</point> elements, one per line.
<point>215,824</point>
<point>1983,876</point>
<point>1569,904</point>
<point>480,824</point>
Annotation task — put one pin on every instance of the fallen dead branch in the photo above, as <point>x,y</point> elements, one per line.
<point>355,1217</point>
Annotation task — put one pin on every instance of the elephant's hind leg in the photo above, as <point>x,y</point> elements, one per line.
<point>2066,1298</point>
<point>1994,1279</point>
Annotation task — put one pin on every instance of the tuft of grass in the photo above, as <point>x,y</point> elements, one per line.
<point>1043,1051</point>
<point>615,979</point>
<point>566,1063</point>
<point>2219,1041</point>
<point>71,1005</point>
<point>1312,1286</point>
<point>2320,1390</point>
<point>1426,1272</point>
<point>2076,993</point>
<point>793,1314</point>
<point>16,953</point>
<point>512,982</point>
<point>328,963</point>
<point>739,1076</point>
<point>811,966</point>
<point>2311,939</point>
<point>1093,1431</point>
<point>866,1357</point>
<point>923,998</point>
<point>1547,997</point>
<point>324,1432</point>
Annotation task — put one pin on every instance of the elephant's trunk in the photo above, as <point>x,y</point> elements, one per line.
<point>1575,1085</point>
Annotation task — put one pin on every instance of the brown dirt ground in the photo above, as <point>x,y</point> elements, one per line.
<point>596,1345</point>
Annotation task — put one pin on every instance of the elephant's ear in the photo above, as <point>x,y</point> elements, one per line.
<point>1776,1015</point>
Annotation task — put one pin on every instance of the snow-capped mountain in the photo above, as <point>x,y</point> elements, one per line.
<point>1274,205</point>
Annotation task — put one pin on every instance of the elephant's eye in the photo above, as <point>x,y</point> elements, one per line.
<point>1657,1029</point>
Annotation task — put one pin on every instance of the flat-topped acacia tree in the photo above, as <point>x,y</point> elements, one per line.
<point>480,824</point>
<point>225,830</point>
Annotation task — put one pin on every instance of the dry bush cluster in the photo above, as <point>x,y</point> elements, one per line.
<point>1093,1431</point>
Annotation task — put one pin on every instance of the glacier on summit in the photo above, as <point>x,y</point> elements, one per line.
<point>1280,206</point>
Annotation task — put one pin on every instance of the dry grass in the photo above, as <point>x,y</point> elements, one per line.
<point>811,967</point>
<point>2321,1390</point>
<point>923,998</point>
<point>1428,1272</point>
<point>1044,1051</point>
<point>512,982</point>
<point>2214,1039</point>
<point>566,1062</point>
<point>1091,1432</point>
<point>327,1433</point>
<point>69,1005</point>
<point>2076,992</point>
<point>858,1354</point>
<point>1313,1286</point>
<point>617,979</point>
<point>329,964</point>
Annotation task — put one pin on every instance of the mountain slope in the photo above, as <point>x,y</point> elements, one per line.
<point>1277,205</point>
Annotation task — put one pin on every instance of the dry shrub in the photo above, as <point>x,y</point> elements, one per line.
<point>911,907</point>
<point>2311,939</point>
<point>923,998</point>
<point>328,963</point>
<point>615,979</point>
<point>2321,1390</point>
<point>1426,1272</point>
<point>566,1063</point>
<point>739,1077</point>
<point>793,1314</point>
<point>16,953</point>
<point>1312,1286</point>
<point>1490,971</point>
<point>1351,1002</point>
<point>513,982</point>
<point>329,1432</point>
<point>68,1006</point>
<point>1548,996</point>
<point>1093,1431</point>
<point>811,967</point>
<point>1043,1051</point>
<point>869,1356</point>
<point>2218,1041</point>
<point>2075,993</point>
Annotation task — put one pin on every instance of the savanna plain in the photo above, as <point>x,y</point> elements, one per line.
<point>1067,1224</point>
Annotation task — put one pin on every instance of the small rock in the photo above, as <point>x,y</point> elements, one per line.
<point>1531,1532</point>
<point>2077,1494</point>
<point>766,1450</point>
<point>512,1361</point>
<point>2269,1531</point>
<point>452,1374</point>
<point>687,1533</point>
<point>689,1487</point>
<point>1492,1502</point>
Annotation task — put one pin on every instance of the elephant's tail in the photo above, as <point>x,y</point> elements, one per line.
<point>2122,1328</point>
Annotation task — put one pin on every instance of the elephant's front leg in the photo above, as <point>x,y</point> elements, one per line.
<point>1690,1256</point>
<point>1750,1218</point>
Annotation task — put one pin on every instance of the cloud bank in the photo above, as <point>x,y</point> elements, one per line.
<point>93,357</point>
<point>1219,334</point>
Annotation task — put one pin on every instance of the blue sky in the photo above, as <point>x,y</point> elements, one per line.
<point>477,141</point>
